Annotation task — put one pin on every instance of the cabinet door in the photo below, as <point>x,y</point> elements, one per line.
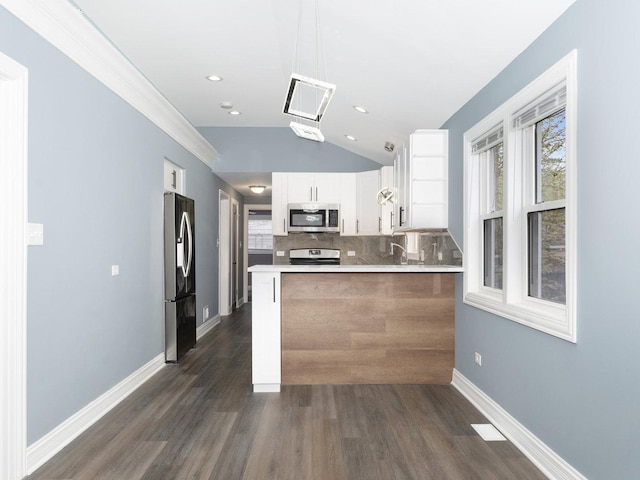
<point>401,174</point>
<point>326,187</point>
<point>367,206</point>
<point>387,214</point>
<point>279,203</point>
<point>300,188</point>
<point>429,185</point>
<point>265,331</point>
<point>348,212</point>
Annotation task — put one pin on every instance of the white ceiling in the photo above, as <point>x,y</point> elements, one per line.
<point>412,63</point>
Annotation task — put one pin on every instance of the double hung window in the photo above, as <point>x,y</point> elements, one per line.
<point>520,195</point>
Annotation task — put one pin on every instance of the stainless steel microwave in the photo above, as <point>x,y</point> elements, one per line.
<point>313,217</point>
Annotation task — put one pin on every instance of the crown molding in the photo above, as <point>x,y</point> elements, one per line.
<point>66,28</point>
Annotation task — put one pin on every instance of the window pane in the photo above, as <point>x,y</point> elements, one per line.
<point>260,235</point>
<point>496,168</point>
<point>547,255</point>
<point>550,157</point>
<point>493,253</point>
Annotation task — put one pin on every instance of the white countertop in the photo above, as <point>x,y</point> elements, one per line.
<point>356,268</point>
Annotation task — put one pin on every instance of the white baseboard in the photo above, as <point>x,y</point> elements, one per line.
<point>549,462</point>
<point>58,438</point>
<point>207,326</point>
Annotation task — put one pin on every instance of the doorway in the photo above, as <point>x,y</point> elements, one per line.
<point>224,253</point>
<point>228,238</point>
<point>13,275</point>
<point>235,234</point>
<point>258,241</point>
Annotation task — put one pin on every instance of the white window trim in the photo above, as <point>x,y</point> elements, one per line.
<point>512,301</point>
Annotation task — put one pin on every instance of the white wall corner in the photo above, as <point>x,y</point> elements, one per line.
<point>58,438</point>
<point>549,462</point>
<point>66,28</point>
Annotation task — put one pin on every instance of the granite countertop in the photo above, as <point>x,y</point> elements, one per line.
<point>357,268</point>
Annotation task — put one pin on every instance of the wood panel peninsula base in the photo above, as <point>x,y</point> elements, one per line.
<point>346,325</point>
<point>367,328</point>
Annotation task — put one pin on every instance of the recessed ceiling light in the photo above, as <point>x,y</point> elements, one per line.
<point>226,105</point>
<point>235,112</point>
<point>351,137</point>
<point>360,109</point>
<point>214,78</point>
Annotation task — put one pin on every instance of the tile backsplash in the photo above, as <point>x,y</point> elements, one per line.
<point>436,247</point>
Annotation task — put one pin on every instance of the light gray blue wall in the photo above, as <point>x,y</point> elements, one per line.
<point>580,399</point>
<point>254,149</point>
<point>95,182</point>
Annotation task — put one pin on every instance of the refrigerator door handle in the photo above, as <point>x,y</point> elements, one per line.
<point>185,230</point>
<point>190,245</point>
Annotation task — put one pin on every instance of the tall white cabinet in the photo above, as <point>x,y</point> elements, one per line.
<point>422,181</point>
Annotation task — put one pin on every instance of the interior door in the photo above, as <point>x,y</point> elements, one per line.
<point>235,219</point>
<point>224,258</point>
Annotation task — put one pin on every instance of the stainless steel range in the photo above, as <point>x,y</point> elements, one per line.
<point>314,256</point>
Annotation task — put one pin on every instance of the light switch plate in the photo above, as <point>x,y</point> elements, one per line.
<point>115,270</point>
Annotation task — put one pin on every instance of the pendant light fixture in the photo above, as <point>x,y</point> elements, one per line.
<point>308,95</point>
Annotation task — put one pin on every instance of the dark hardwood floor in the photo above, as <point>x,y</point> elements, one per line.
<point>200,420</point>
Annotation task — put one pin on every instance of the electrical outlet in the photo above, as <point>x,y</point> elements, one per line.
<point>478,358</point>
<point>351,253</point>
<point>115,270</point>
<point>205,313</point>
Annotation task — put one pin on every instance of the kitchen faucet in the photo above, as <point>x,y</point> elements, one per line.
<point>403,258</point>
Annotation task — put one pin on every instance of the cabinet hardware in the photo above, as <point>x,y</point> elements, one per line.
<point>173,181</point>
<point>274,289</point>
<point>357,226</point>
<point>379,224</point>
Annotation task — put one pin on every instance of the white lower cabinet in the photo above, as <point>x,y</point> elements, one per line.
<point>265,332</point>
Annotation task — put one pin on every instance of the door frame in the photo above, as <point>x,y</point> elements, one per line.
<point>235,253</point>
<point>245,245</point>
<point>13,254</point>
<point>224,253</point>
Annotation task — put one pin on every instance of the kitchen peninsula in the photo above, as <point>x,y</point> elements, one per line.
<point>352,324</point>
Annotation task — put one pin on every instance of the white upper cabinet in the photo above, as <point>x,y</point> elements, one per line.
<point>421,176</point>
<point>314,187</point>
<point>387,214</point>
<point>348,213</point>
<point>368,220</point>
<point>279,203</point>
<point>429,179</point>
<point>173,177</point>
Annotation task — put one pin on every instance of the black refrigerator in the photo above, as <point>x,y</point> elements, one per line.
<point>179,276</point>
